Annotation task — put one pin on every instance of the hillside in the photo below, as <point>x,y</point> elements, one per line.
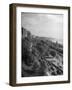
<point>40,56</point>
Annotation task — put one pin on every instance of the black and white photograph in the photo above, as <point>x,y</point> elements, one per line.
<point>41,44</point>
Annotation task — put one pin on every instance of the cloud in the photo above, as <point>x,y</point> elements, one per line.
<point>49,25</point>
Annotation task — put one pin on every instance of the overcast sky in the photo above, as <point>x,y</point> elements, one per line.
<point>45,25</point>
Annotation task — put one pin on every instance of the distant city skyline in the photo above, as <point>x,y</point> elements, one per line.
<point>44,25</point>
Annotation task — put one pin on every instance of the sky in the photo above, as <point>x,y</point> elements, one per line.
<point>44,25</point>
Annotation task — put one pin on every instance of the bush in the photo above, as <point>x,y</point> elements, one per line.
<point>53,53</point>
